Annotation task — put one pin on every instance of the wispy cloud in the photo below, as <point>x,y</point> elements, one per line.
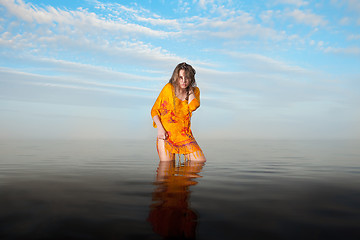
<point>81,19</point>
<point>266,64</point>
<point>298,3</point>
<point>22,86</point>
<point>10,75</point>
<point>348,50</point>
<point>353,37</point>
<point>345,21</point>
<point>354,5</point>
<point>172,23</point>
<point>307,17</point>
<point>238,26</point>
<point>204,3</point>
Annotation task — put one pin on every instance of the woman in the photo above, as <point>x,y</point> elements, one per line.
<point>171,115</point>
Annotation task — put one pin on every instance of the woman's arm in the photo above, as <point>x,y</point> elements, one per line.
<point>162,134</point>
<point>155,110</point>
<point>194,99</point>
<point>191,95</point>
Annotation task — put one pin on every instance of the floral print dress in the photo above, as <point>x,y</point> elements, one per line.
<point>175,116</point>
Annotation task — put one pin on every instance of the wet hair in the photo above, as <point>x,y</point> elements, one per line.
<point>189,73</point>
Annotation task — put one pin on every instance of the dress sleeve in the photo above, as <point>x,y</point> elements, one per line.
<point>155,110</point>
<point>195,103</point>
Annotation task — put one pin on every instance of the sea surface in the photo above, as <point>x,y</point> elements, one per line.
<point>118,189</point>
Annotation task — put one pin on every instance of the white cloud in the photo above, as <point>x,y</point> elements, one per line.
<point>87,71</point>
<point>139,52</point>
<point>172,23</point>
<point>18,41</point>
<point>270,65</point>
<point>267,16</point>
<point>80,18</point>
<point>266,93</point>
<point>127,9</point>
<point>183,7</point>
<point>223,22</point>
<point>298,3</point>
<point>353,37</point>
<point>123,81</point>
<point>69,90</point>
<point>107,50</point>
<point>354,5</point>
<point>204,3</point>
<point>213,23</point>
<point>347,50</point>
<point>241,25</point>
<point>345,21</point>
<point>307,18</point>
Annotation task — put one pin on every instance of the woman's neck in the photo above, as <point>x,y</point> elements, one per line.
<point>179,90</point>
<point>180,93</point>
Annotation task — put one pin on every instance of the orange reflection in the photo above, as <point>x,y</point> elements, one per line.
<point>170,214</point>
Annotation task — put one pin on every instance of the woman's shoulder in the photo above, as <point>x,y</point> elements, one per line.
<point>167,89</point>
<point>168,86</point>
<point>196,89</point>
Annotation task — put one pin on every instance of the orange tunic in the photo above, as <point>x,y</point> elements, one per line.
<point>175,116</point>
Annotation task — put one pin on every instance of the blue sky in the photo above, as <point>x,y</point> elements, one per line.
<point>281,69</point>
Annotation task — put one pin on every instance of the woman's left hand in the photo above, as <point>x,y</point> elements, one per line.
<point>191,94</point>
<point>191,91</point>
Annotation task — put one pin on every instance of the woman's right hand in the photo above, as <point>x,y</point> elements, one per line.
<point>162,134</point>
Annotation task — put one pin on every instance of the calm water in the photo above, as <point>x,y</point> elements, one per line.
<point>118,190</point>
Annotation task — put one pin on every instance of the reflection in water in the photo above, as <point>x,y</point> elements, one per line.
<point>170,214</point>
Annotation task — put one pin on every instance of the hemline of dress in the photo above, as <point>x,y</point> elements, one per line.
<point>191,147</point>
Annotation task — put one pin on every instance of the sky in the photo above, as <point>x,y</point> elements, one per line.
<point>91,69</point>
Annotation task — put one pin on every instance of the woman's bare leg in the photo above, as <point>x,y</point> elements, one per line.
<point>164,155</point>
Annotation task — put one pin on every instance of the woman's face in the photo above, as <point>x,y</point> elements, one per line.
<point>183,80</point>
